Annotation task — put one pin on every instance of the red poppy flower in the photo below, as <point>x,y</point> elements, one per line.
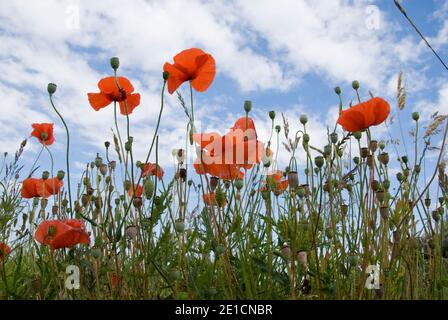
<point>191,65</point>
<point>33,187</point>
<point>62,233</point>
<point>153,170</point>
<point>110,91</point>
<point>276,182</point>
<point>43,132</point>
<point>224,156</point>
<point>4,251</point>
<point>361,116</point>
<point>138,191</point>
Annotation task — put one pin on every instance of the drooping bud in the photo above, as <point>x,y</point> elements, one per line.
<point>51,88</point>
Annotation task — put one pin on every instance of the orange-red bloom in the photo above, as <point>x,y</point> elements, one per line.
<point>33,187</point>
<point>62,233</point>
<point>225,156</point>
<point>4,251</point>
<point>361,116</point>
<point>43,132</point>
<point>276,182</point>
<point>110,91</point>
<point>191,65</point>
<point>138,191</point>
<point>153,170</point>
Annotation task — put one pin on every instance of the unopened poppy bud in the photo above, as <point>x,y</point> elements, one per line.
<point>382,145</point>
<point>319,161</point>
<point>247,106</point>
<point>45,175</point>
<point>117,201</point>
<point>98,161</point>
<point>356,160</point>
<point>115,63</point>
<point>355,84</point>
<point>220,197</point>
<point>51,88</point>
<point>277,128</point>
<point>84,200</point>
<point>148,189</point>
<point>190,183</point>
<point>107,144</point>
<point>417,168</point>
<point>165,75</point>
<point>128,146</point>
<point>404,159</point>
<point>303,119</point>
<point>340,153</point>
<point>386,184</point>
<point>400,177</point>
<point>306,138</point>
<point>61,175</point>
<point>334,137</point>
<point>301,191</point>
<point>357,135</point>
<point>112,165</point>
<point>337,90</point>
<point>327,150</point>
<point>239,184</point>
<point>64,203</point>
<point>415,116</point>
<point>272,115</point>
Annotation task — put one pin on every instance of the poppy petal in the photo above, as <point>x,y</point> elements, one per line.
<point>205,74</point>
<point>98,100</point>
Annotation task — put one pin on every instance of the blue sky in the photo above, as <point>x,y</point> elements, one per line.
<point>283,55</point>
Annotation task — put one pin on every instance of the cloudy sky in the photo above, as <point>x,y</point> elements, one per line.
<point>284,55</point>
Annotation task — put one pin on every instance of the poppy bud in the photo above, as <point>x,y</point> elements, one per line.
<point>319,161</point>
<point>220,197</point>
<point>356,160</point>
<point>112,165</point>
<point>272,115</point>
<point>355,85</point>
<point>381,195</point>
<point>239,184</point>
<point>45,175</point>
<point>334,137</point>
<point>357,135</point>
<point>247,106</point>
<point>327,150</point>
<point>382,145</point>
<point>213,183</point>
<point>190,183</point>
<point>417,168</point>
<point>51,88</point>
<point>165,75</point>
<point>61,175</point>
<point>128,146</point>
<point>415,116</point>
<point>301,191</point>
<point>428,202</point>
<point>64,203</point>
<point>115,63</point>
<point>85,200</point>
<point>306,138</point>
<point>148,189</point>
<point>337,90</point>
<point>277,128</point>
<point>98,161</point>
<point>400,177</point>
<point>340,153</point>
<point>303,119</point>
<point>107,144</point>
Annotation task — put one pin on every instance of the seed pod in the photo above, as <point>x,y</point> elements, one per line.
<point>239,184</point>
<point>370,161</point>
<point>43,203</point>
<point>85,200</point>
<point>293,179</point>
<point>54,210</point>
<point>112,165</point>
<point>319,161</point>
<point>375,185</point>
<point>90,191</point>
<point>427,202</point>
<point>137,202</point>
<point>334,137</point>
<point>384,158</point>
<point>183,173</point>
<point>103,169</point>
<point>302,257</point>
<point>364,152</point>
<point>213,183</point>
<point>380,196</point>
<point>327,150</point>
<point>131,232</point>
<point>373,146</point>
